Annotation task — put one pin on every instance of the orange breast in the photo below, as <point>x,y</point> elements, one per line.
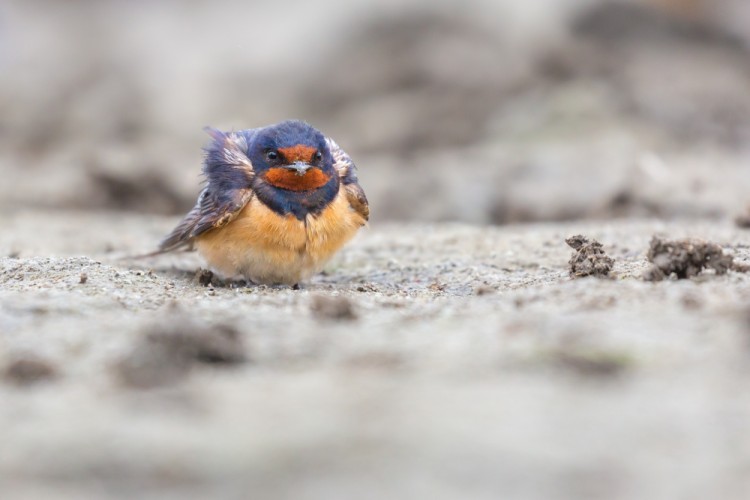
<point>266,247</point>
<point>286,179</point>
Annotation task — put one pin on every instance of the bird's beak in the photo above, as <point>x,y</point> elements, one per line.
<point>299,167</point>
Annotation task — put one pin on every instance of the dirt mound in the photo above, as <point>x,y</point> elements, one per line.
<point>166,354</point>
<point>332,308</point>
<point>743,220</point>
<point>28,370</point>
<point>589,258</point>
<point>687,258</point>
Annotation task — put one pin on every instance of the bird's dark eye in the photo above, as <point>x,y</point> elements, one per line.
<point>318,156</point>
<point>272,155</point>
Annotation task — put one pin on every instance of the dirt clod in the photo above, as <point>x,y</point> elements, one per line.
<point>593,363</point>
<point>589,258</point>
<point>332,308</point>
<point>484,290</point>
<point>165,355</point>
<point>687,258</point>
<point>743,220</point>
<point>83,278</point>
<point>28,370</point>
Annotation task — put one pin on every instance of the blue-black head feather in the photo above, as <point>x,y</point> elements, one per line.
<point>225,154</point>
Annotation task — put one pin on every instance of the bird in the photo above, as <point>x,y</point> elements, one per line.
<point>278,203</point>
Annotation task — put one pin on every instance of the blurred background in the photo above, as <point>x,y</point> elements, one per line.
<point>483,111</point>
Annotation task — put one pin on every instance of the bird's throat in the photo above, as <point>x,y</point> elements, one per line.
<point>284,178</point>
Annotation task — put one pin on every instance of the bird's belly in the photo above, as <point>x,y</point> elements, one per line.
<point>265,247</point>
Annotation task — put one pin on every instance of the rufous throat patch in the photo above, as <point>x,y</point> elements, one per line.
<point>287,179</point>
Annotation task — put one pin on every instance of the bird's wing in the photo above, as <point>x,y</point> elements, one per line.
<point>348,176</point>
<point>229,173</point>
<point>211,211</point>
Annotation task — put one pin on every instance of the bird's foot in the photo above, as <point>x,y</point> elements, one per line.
<point>204,277</point>
<point>207,278</point>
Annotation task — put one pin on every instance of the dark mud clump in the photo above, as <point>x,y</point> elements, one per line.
<point>592,363</point>
<point>165,354</point>
<point>333,308</point>
<point>743,220</point>
<point>589,258</point>
<point>28,370</point>
<point>482,290</point>
<point>687,258</point>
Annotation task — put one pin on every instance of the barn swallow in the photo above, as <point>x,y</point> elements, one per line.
<point>279,202</point>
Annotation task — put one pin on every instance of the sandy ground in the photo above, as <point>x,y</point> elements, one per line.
<point>428,361</point>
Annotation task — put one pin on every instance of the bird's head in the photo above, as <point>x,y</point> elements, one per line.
<point>292,156</point>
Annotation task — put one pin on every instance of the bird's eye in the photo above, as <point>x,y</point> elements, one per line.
<point>272,155</point>
<point>318,156</point>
